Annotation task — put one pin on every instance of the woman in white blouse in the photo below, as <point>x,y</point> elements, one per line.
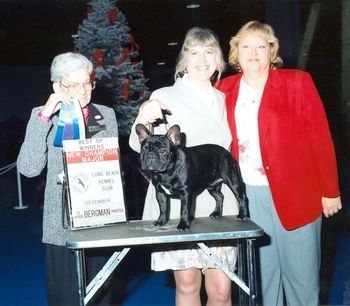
<point>199,110</point>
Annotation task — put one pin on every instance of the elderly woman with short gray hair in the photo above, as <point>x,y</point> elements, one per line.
<point>42,147</point>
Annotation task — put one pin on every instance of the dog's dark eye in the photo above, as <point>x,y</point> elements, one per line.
<point>163,152</point>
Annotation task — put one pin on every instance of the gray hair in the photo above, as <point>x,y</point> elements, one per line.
<point>203,37</point>
<point>66,63</point>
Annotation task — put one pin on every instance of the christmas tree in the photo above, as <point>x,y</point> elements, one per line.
<point>104,38</point>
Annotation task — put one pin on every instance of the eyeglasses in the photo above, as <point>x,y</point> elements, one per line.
<point>74,88</point>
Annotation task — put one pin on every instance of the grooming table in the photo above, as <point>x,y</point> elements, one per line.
<point>124,236</point>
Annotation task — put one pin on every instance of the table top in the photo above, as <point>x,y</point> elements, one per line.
<point>144,232</point>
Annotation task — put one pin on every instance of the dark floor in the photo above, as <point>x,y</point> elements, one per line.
<point>22,268</point>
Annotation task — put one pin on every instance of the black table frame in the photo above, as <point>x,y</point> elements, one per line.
<point>141,233</point>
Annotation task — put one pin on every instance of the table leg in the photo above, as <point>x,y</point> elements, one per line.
<point>251,272</point>
<point>104,274</point>
<point>242,271</point>
<point>220,265</point>
<point>79,264</point>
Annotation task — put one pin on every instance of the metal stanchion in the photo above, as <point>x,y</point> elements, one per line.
<point>19,188</point>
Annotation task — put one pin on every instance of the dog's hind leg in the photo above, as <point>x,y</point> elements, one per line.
<point>235,182</point>
<point>216,193</point>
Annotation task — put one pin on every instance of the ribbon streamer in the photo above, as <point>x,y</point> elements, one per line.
<point>70,123</point>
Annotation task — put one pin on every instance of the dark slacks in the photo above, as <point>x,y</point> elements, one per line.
<point>61,278</point>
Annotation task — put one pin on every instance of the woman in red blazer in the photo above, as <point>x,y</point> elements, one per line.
<point>282,141</point>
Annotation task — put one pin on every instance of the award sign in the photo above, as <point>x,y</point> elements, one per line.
<point>93,179</point>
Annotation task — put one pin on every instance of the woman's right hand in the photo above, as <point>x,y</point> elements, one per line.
<point>150,111</point>
<point>53,104</point>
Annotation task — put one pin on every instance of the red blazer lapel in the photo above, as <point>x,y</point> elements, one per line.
<point>230,87</point>
<point>270,99</point>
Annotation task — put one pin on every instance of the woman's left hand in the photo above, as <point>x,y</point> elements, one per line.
<point>331,206</point>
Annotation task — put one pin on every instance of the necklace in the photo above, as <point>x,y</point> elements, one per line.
<point>257,95</point>
<point>254,93</point>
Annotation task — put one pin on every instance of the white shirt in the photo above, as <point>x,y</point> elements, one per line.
<point>246,115</point>
<point>207,97</point>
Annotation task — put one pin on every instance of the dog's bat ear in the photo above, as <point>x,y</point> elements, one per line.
<point>142,132</point>
<point>174,134</point>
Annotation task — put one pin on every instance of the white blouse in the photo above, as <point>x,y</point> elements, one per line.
<point>246,115</point>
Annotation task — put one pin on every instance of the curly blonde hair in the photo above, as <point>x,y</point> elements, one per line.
<point>262,30</point>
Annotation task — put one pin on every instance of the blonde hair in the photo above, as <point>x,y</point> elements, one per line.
<point>203,37</point>
<point>262,30</point>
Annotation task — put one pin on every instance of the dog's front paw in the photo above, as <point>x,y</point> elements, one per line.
<point>160,222</point>
<point>242,217</point>
<point>215,215</point>
<point>183,226</point>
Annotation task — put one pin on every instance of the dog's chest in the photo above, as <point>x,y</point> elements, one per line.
<point>166,190</point>
<point>170,189</point>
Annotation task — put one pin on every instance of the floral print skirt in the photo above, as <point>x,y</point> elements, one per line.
<point>186,258</point>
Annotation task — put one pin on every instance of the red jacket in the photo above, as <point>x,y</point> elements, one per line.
<point>295,142</point>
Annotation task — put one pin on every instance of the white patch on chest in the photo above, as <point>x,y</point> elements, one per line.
<point>166,190</point>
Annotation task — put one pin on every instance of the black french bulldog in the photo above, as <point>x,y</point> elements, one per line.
<point>185,172</point>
